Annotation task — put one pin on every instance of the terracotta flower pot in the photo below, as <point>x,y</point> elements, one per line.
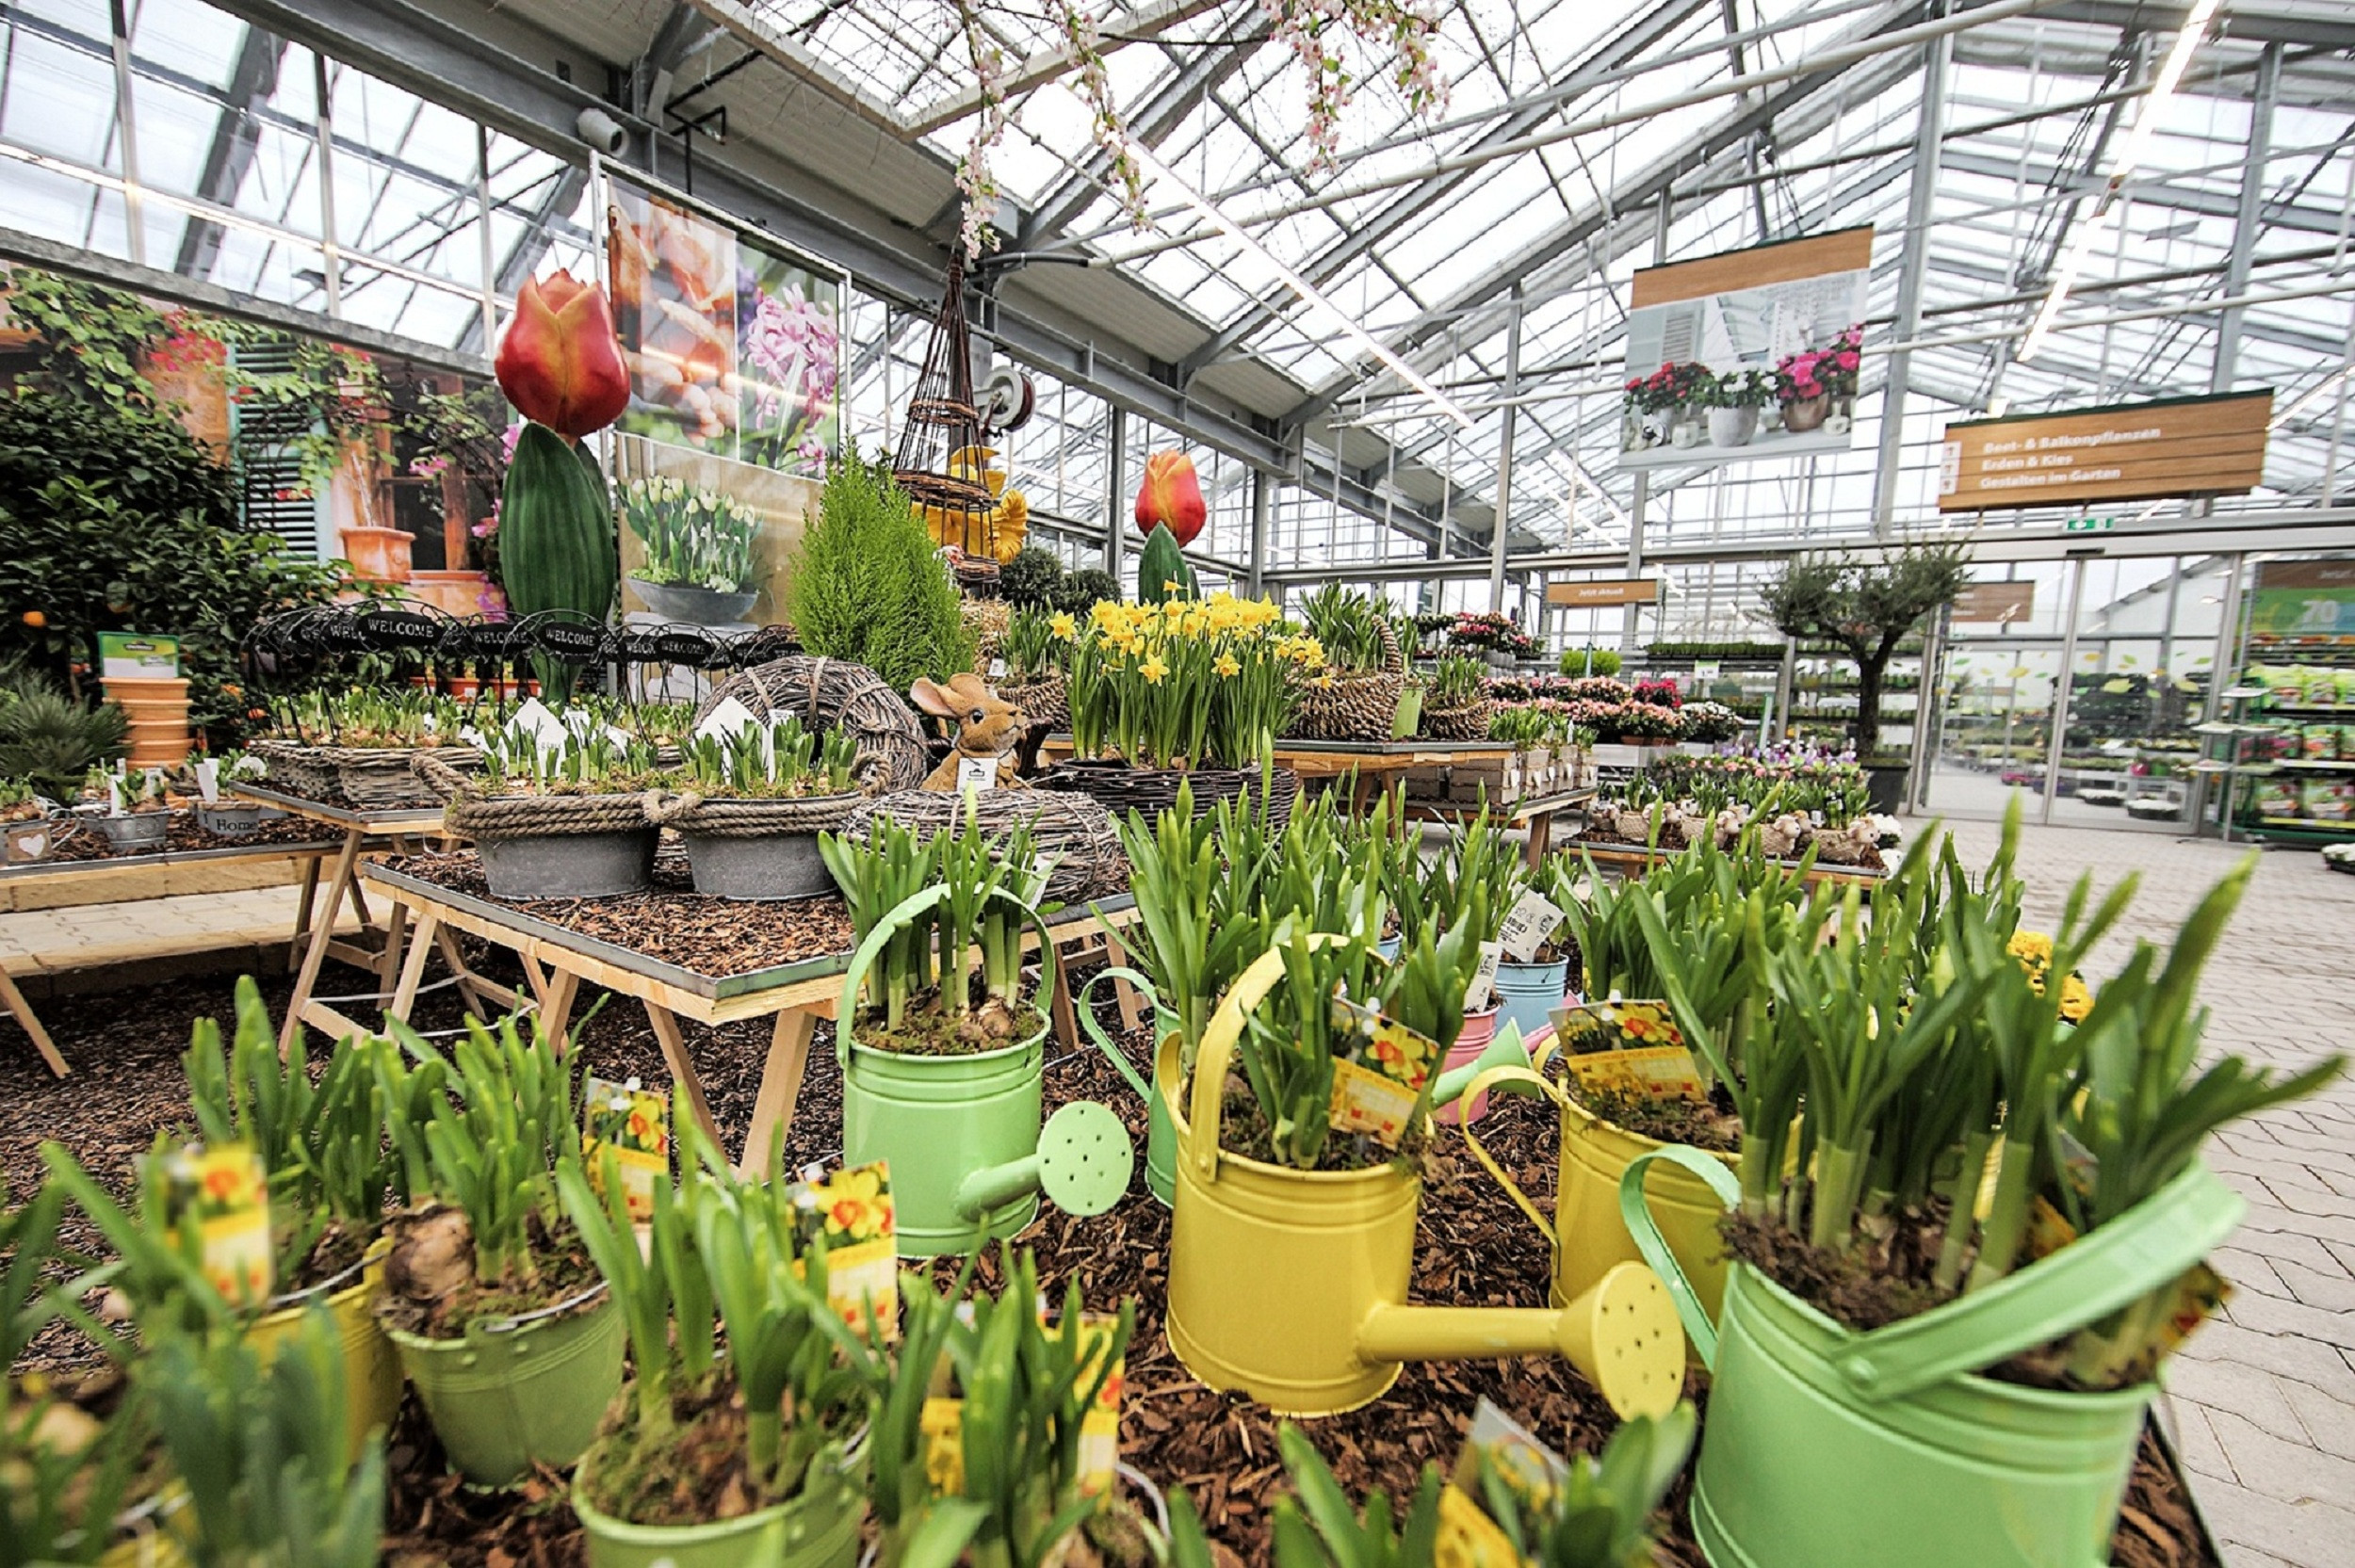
<point>377,555</point>
<point>1802,414</point>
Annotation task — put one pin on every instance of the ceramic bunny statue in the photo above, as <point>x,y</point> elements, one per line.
<point>988,726</point>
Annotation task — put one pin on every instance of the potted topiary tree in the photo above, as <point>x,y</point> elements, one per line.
<point>1866,609</point>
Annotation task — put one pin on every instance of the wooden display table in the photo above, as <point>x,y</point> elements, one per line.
<point>556,961</point>
<point>1630,860</point>
<point>1536,813</point>
<point>50,884</point>
<point>377,949</point>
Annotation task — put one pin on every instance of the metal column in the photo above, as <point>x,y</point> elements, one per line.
<point>2063,690</point>
<point>1502,523</point>
<point>1257,559</point>
<point>1631,618</point>
<point>127,119</point>
<point>1920,206</point>
<point>1115,487</point>
<point>2224,369</point>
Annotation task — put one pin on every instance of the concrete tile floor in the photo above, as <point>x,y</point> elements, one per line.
<point>2262,1402</point>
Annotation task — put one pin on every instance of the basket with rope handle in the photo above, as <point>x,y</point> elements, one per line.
<point>376,778</point>
<point>835,694</point>
<point>1469,722</point>
<point>1357,706</point>
<point>1073,829</point>
<point>488,818</point>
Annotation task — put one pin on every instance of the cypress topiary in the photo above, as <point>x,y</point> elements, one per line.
<point>866,585</point>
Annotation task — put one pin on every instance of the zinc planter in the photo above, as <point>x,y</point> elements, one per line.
<point>138,832</point>
<point>371,1368</point>
<point>1829,1449</point>
<point>962,1132</point>
<point>754,849</point>
<point>1479,1030</point>
<point>570,866</point>
<point>1290,1285</point>
<point>518,1391</point>
<point>1529,992</point>
<point>699,606</point>
<point>818,1528</point>
<point>228,821</point>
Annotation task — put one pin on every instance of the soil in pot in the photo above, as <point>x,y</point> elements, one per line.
<point>1711,1127</point>
<point>1243,1130</point>
<point>927,1030</point>
<point>693,1473</point>
<point>430,1284</point>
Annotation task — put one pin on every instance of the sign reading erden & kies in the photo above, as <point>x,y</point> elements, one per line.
<point>1609,591</point>
<point>2126,452</point>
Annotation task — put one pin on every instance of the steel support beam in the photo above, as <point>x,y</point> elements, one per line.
<point>252,78</point>
<point>1921,203</point>
<point>1500,519</point>
<point>2247,218</point>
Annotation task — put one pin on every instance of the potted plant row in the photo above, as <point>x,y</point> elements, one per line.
<point>555,816</point>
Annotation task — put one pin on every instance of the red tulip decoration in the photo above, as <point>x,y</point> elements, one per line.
<point>1169,513</point>
<point>560,366</point>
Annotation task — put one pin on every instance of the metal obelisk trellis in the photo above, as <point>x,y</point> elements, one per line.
<point>942,421</point>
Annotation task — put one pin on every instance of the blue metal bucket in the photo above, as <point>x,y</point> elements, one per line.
<point>1529,992</point>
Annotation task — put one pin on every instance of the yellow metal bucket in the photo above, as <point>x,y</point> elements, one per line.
<point>1588,1235</point>
<point>1290,1285</point>
<point>371,1368</point>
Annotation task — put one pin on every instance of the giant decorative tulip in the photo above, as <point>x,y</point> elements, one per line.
<point>559,363</point>
<point>1171,494</point>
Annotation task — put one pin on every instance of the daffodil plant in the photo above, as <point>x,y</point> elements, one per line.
<point>1188,683</point>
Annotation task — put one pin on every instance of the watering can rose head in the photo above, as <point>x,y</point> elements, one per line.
<point>559,363</point>
<point>1172,495</point>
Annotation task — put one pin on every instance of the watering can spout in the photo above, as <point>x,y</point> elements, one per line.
<point>1623,1335</point>
<point>1507,1050</point>
<point>1081,1165</point>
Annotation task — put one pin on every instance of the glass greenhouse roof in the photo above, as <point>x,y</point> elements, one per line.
<point>1535,194</point>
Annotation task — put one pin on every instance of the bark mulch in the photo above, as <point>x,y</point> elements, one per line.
<point>1473,1247</point>
<point>183,836</point>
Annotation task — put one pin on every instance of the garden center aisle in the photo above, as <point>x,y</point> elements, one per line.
<point>2263,1398</point>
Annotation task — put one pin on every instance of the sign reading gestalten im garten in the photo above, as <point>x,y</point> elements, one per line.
<point>2126,452</point>
<point>1754,353</point>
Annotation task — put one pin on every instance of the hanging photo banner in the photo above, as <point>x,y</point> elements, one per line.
<point>1750,354</point>
<point>2121,452</point>
<point>2303,603</point>
<point>733,345</point>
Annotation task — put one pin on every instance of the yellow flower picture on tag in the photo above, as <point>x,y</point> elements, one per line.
<point>850,1213</point>
<point>943,1426</point>
<point>635,1123</point>
<point>224,1192</point>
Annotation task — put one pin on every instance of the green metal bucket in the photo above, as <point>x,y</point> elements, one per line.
<point>939,1120</point>
<point>519,1390</point>
<point>1829,1449</point>
<point>1160,1135</point>
<point>817,1528</point>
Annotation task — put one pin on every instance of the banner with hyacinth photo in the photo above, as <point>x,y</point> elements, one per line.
<point>1754,353</point>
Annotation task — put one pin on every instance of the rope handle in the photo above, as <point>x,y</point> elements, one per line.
<point>663,808</point>
<point>437,775</point>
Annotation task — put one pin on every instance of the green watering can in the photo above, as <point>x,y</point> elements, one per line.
<point>968,1158</point>
<point>1161,1134</point>
<point>1829,1449</point>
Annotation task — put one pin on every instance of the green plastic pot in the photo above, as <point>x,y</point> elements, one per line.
<point>1161,1137</point>
<point>519,1390</point>
<point>1829,1449</point>
<point>962,1133</point>
<point>818,1528</point>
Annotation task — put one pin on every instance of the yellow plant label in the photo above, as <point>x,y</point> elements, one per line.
<point>851,1213</point>
<point>1468,1537</point>
<point>1365,1101</point>
<point>1099,1429</point>
<point>225,1192</point>
<point>1651,1072</point>
<point>635,1123</point>
<point>942,1424</point>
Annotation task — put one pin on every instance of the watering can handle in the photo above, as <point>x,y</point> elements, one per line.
<point>900,914</point>
<point>1105,1042</point>
<point>1197,1134</point>
<point>1646,1232</point>
<point>1509,1078</point>
<point>2094,1276</point>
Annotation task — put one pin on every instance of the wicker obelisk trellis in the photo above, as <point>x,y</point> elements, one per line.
<point>942,420</point>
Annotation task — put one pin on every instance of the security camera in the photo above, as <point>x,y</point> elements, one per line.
<point>601,131</point>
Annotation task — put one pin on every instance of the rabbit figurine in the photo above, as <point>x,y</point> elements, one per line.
<point>988,726</point>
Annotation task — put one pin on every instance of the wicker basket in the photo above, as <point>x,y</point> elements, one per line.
<point>1355,707</point>
<point>1045,702</point>
<point>1469,722</point>
<point>835,694</point>
<point>370,778</point>
<point>1075,829</point>
<point>729,816</point>
<point>1152,790</point>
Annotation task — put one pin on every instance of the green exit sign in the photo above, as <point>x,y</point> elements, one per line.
<point>2087,525</point>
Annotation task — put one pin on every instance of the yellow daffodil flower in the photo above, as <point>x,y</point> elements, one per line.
<point>1153,669</point>
<point>1227,665</point>
<point>1063,626</point>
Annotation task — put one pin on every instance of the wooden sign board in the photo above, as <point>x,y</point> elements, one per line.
<point>2124,452</point>
<point>1609,591</point>
<point>1757,266</point>
<point>2006,604</point>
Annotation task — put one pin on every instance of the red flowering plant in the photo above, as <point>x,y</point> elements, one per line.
<point>1491,631</point>
<point>1819,372</point>
<point>1659,694</point>
<point>1597,688</point>
<point>1672,386</point>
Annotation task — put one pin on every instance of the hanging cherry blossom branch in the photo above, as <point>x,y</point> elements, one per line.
<point>1313,30</point>
<point>1110,126</point>
<point>976,185</point>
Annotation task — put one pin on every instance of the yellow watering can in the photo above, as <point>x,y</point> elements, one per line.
<point>1290,1285</point>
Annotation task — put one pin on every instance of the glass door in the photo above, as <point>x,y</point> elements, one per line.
<point>1992,738</point>
<point>2145,661</point>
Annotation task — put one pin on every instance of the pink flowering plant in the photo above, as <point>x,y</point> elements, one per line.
<point>1493,632</point>
<point>1821,372</point>
<point>792,363</point>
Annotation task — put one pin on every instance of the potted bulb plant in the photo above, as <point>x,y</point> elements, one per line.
<point>751,804</point>
<point>567,820</point>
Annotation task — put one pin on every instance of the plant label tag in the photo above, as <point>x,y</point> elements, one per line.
<point>1365,1101</point>
<point>1647,1072</point>
<point>976,773</point>
<point>635,1123</point>
<point>1528,925</point>
<point>849,1214</point>
<point>537,721</point>
<point>1468,1537</point>
<point>728,719</point>
<point>1498,1443</point>
<point>942,1426</point>
<point>207,772</point>
<point>1099,1429</point>
<point>223,1194</point>
<point>1484,982</point>
<point>1390,1048</point>
<point>25,841</point>
<point>998,669</point>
